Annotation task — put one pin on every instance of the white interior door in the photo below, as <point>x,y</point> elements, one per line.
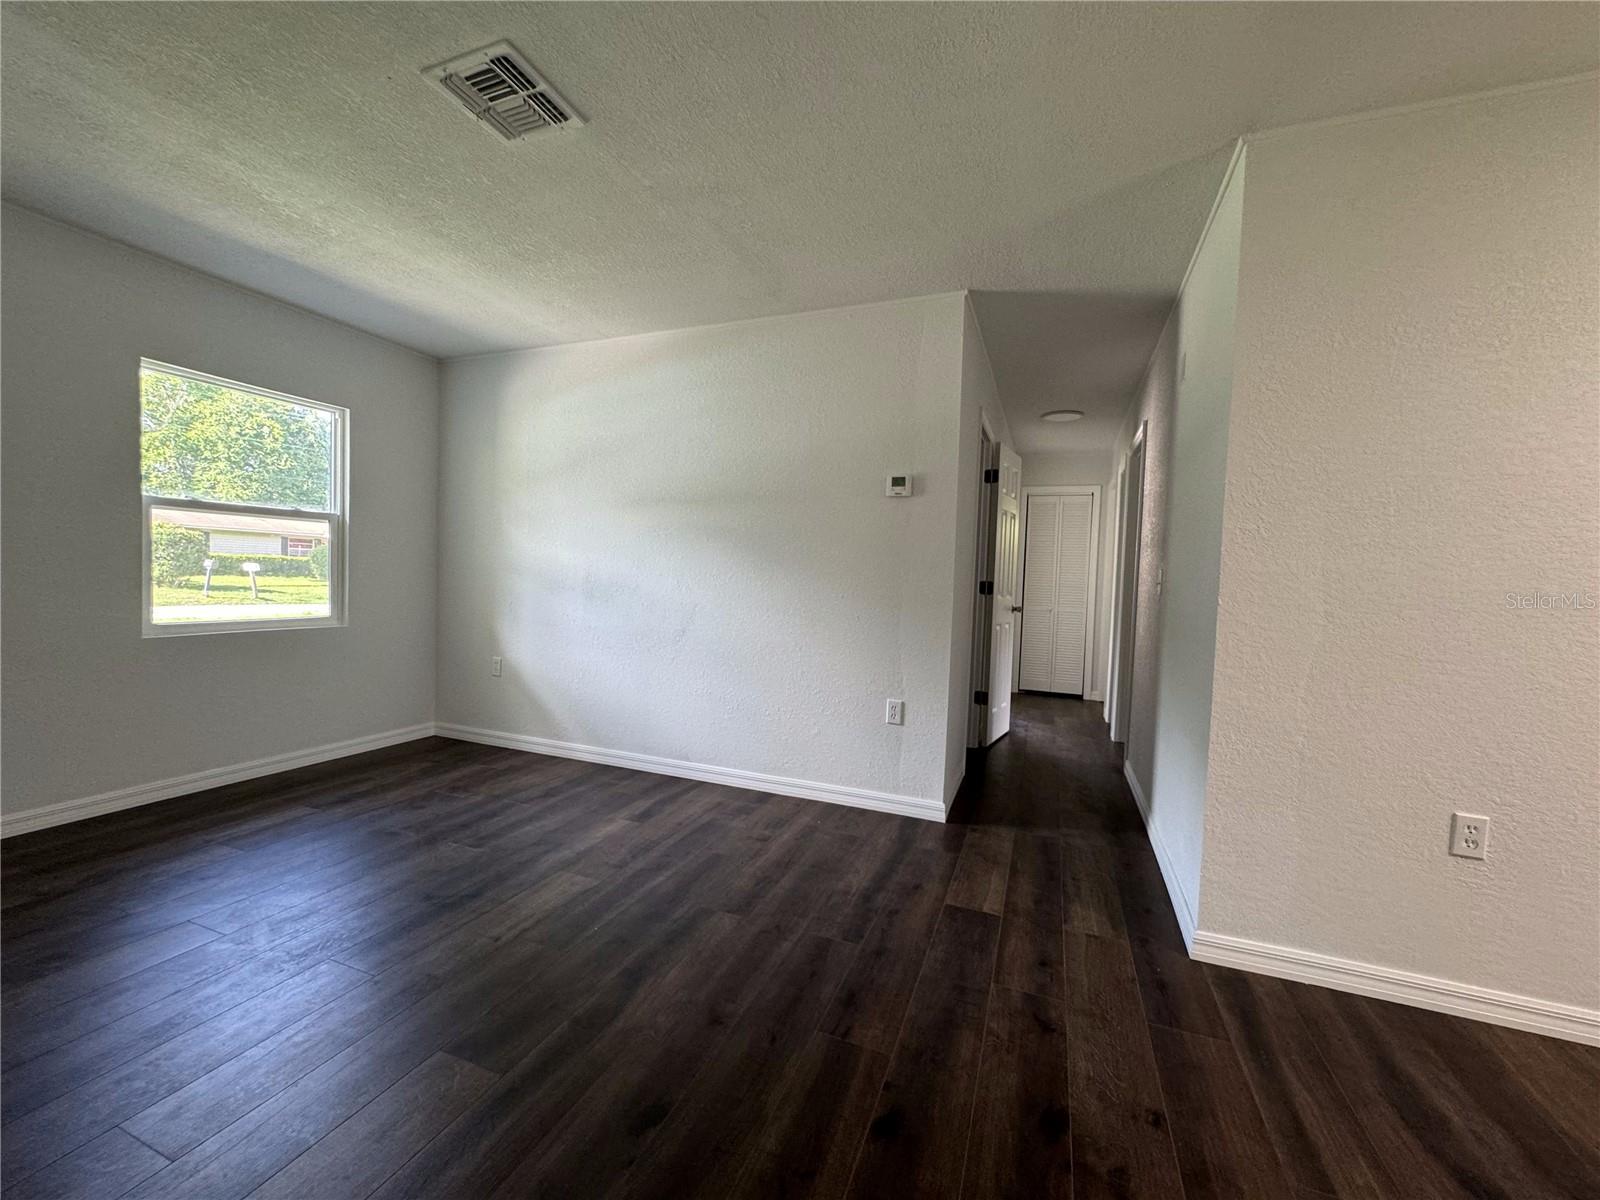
<point>1007,556</point>
<point>1129,546</point>
<point>1058,570</point>
<point>1113,681</point>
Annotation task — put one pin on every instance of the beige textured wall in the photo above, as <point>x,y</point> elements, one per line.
<point>1414,435</point>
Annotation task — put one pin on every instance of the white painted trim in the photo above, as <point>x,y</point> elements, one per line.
<point>64,811</point>
<point>1092,595</point>
<point>1234,162</point>
<point>1119,481</point>
<point>983,555</point>
<point>1094,695</point>
<point>1169,871</point>
<point>1403,987</point>
<point>1236,158</point>
<point>338,525</point>
<point>904,806</point>
<point>1125,591</point>
<point>1400,110</point>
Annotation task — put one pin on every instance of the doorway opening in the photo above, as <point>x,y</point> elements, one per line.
<point>994,619</point>
<point>1125,602</point>
<point>977,714</point>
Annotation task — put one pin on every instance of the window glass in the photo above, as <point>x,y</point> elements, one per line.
<point>242,505</point>
<point>207,441</point>
<point>211,566</point>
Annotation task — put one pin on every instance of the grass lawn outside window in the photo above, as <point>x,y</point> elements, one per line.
<point>230,599</point>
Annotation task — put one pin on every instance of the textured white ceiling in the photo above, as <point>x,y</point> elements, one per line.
<point>741,159</point>
<point>1083,350</point>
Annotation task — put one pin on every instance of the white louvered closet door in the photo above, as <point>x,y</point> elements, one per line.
<point>1039,592</point>
<point>1055,593</point>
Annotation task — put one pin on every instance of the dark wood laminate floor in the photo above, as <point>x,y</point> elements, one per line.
<point>447,970</point>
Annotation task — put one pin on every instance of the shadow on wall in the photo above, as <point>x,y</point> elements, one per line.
<point>1154,406</point>
<point>203,248</point>
<point>1078,349</point>
<point>1082,334</point>
<point>648,554</point>
<point>1128,236</point>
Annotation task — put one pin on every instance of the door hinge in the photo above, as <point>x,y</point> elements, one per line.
<point>991,474</point>
<point>981,698</point>
<point>985,587</point>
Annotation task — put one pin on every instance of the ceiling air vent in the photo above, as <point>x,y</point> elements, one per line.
<point>502,90</point>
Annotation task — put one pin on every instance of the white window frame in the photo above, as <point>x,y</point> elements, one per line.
<point>338,578</point>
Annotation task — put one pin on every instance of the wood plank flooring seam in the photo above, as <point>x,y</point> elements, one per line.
<point>603,983</point>
<point>893,1050</point>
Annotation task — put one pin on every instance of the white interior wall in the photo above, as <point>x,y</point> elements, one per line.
<point>92,706</point>
<point>1153,408</point>
<point>1184,405</point>
<point>1414,439</point>
<point>681,548</point>
<point>1066,469</point>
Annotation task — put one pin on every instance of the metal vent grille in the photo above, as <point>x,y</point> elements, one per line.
<point>501,88</point>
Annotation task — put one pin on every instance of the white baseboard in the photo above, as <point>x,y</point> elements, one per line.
<point>1285,962</point>
<point>1404,987</point>
<point>1093,696</point>
<point>1181,907</point>
<point>1366,979</point>
<point>64,811</point>
<point>904,806</point>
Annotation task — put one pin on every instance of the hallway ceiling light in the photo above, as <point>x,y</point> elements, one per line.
<point>1061,414</point>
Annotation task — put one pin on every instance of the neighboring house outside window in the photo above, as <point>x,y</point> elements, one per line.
<point>239,542</point>
<point>244,505</point>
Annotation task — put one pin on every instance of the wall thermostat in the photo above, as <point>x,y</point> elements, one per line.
<point>897,485</point>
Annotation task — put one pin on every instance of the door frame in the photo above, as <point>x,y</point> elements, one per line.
<point>977,714</point>
<point>1125,591</point>
<point>1092,597</point>
<point>1007,483</point>
<point>1119,480</point>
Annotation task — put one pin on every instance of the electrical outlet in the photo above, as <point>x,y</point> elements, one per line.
<point>894,712</point>
<point>1469,835</point>
<point>494,666</point>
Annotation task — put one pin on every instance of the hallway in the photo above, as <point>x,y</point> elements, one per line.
<point>1241,1085</point>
